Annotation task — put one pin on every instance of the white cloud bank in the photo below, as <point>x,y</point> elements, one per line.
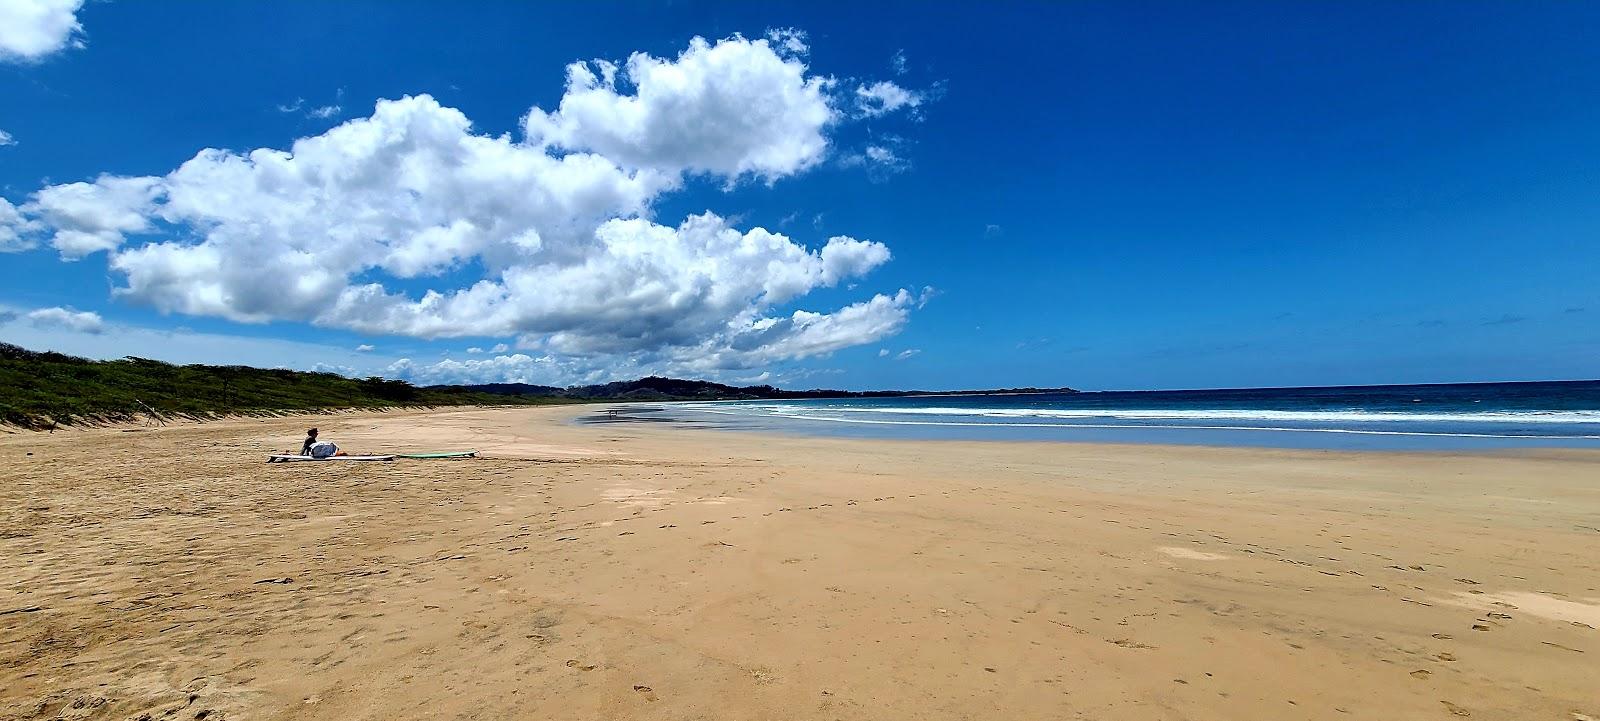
<point>37,329</point>
<point>66,319</point>
<point>548,240</point>
<point>31,30</point>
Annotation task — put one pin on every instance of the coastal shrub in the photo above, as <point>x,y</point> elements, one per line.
<point>41,389</point>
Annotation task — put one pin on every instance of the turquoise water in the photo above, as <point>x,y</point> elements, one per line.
<point>1417,417</point>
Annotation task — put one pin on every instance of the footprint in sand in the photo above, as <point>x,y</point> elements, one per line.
<point>1128,643</point>
<point>646,692</point>
<point>574,663</point>
<point>1564,648</point>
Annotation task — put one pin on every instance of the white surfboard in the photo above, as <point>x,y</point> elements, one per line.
<point>285,458</point>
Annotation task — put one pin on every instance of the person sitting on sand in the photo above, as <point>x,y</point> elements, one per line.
<point>319,449</point>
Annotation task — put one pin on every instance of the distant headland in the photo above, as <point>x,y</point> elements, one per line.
<point>46,389</point>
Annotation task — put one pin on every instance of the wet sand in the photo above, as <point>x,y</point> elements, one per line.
<point>642,571</point>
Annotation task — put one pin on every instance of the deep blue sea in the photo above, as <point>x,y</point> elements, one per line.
<point>1415,417</point>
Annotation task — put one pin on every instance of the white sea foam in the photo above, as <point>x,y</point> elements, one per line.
<point>1187,414</point>
<point>1371,423</point>
<point>1352,431</point>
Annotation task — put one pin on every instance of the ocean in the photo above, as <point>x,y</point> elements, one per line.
<point>1404,417</point>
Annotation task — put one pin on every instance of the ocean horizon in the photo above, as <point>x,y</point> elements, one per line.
<point>1462,416</point>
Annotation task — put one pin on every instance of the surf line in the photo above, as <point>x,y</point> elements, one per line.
<point>1124,426</point>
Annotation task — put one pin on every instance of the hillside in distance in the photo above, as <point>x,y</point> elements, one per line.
<point>655,388</point>
<point>45,389</point>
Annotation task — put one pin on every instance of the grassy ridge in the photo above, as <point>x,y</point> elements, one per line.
<point>40,390</point>
<point>43,389</point>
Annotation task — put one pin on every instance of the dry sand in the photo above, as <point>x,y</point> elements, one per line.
<point>606,572</point>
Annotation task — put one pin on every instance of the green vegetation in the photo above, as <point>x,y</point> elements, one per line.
<point>656,388</point>
<point>42,389</point>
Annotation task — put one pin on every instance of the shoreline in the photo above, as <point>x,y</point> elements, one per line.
<point>688,415</point>
<point>648,571</point>
<point>567,416</point>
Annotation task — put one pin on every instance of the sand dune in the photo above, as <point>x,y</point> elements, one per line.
<point>645,572</point>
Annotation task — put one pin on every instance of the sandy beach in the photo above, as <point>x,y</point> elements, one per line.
<point>639,571</point>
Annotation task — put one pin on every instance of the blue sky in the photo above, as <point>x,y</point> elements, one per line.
<point>1100,195</point>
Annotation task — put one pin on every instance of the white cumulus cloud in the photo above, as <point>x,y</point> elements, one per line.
<point>66,319</point>
<point>731,108</point>
<point>756,343</point>
<point>90,217</point>
<point>409,191</point>
<point>517,368</point>
<point>548,239</point>
<point>31,30</point>
<point>6,139</point>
